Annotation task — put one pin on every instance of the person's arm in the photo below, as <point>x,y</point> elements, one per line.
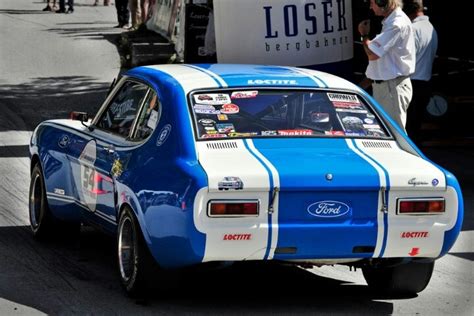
<point>365,43</point>
<point>364,30</point>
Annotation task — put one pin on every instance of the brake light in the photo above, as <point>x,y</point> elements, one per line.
<point>421,206</point>
<point>233,208</point>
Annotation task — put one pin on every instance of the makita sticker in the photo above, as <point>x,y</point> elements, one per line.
<point>295,132</point>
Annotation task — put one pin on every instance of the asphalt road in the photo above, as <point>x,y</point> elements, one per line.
<point>51,64</point>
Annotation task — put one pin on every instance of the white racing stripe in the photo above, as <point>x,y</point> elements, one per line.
<point>276,184</point>
<point>408,234</point>
<point>222,159</point>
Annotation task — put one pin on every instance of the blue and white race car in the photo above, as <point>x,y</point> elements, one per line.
<point>319,174</point>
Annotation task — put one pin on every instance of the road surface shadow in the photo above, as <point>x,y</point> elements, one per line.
<point>79,276</point>
<point>50,98</point>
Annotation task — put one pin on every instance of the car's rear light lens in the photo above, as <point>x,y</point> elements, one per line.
<point>421,206</point>
<point>233,208</point>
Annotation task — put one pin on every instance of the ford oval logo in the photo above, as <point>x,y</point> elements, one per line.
<point>328,209</point>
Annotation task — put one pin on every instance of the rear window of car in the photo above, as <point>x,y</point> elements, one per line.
<point>283,113</point>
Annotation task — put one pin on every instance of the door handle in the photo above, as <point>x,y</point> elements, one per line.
<point>110,149</point>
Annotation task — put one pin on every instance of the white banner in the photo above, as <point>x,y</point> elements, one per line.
<point>283,32</point>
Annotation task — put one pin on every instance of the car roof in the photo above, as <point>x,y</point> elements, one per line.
<point>202,76</point>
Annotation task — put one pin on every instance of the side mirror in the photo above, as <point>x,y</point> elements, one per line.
<point>79,116</point>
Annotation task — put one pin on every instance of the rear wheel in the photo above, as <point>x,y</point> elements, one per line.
<point>41,220</point>
<point>136,265</point>
<point>409,278</point>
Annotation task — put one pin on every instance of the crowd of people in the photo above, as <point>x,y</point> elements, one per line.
<point>131,14</point>
<point>400,61</point>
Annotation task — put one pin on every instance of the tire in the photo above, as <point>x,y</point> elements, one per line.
<point>41,219</point>
<point>406,279</point>
<point>135,264</point>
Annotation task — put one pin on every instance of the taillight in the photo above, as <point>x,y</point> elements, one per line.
<point>217,208</point>
<point>421,206</point>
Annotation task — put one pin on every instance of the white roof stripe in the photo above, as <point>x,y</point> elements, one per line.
<point>189,78</point>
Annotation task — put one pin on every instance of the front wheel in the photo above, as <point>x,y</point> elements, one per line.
<point>135,262</point>
<point>409,278</point>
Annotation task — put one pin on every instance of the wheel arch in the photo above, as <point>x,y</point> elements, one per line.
<point>34,161</point>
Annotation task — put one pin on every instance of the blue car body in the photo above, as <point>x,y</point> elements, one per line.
<point>322,199</point>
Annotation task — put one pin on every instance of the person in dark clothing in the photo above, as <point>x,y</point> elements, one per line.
<point>62,6</point>
<point>426,43</point>
<point>123,14</point>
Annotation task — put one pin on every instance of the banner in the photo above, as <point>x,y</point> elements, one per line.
<point>283,32</point>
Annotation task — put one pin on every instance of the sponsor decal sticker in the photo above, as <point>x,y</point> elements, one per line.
<point>213,135</point>
<point>230,183</point>
<point>368,121</point>
<point>414,251</point>
<point>222,117</point>
<point>339,133</point>
<point>205,109</point>
<point>153,119</point>
<point>328,209</point>
<point>230,108</point>
<point>237,237</point>
<point>117,168</point>
<point>272,82</point>
<point>242,134</point>
<point>64,141</point>
<point>372,126</point>
<point>87,175</point>
<point>435,182</point>
<point>207,122</point>
<point>163,135</point>
<point>244,94</point>
<point>295,132</point>
<point>269,133</point>
<point>351,111</point>
<point>212,98</point>
<point>414,235</point>
<point>59,191</point>
<point>343,97</point>
<point>225,128</point>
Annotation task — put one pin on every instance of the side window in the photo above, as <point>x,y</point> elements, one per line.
<point>122,111</point>
<point>149,115</point>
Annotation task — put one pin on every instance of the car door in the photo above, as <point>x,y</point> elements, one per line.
<point>114,145</point>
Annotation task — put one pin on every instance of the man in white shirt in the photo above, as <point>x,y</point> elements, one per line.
<point>426,43</point>
<point>391,57</point>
